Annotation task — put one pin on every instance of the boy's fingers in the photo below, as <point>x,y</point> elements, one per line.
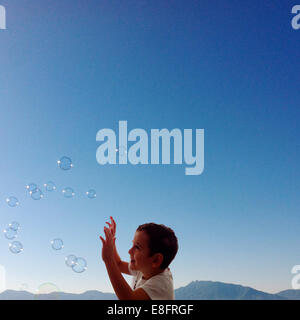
<point>103,241</point>
<point>111,227</point>
<point>114,223</point>
<point>107,232</point>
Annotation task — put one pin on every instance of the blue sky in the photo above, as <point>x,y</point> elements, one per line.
<point>69,69</point>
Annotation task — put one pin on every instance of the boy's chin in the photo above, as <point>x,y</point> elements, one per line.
<point>132,266</point>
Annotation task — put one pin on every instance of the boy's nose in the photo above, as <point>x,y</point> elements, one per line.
<point>130,250</point>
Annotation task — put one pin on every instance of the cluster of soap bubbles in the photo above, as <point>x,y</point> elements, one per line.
<point>65,163</point>
<point>78,264</point>
<point>34,191</point>
<point>11,233</point>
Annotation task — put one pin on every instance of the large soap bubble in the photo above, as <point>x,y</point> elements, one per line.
<point>47,291</point>
<point>12,201</point>
<point>10,233</point>
<point>14,225</point>
<point>37,194</point>
<point>57,244</point>
<point>122,151</point>
<point>16,247</point>
<point>68,192</point>
<point>31,187</point>
<point>65,163</point>
<point>70,260</point>
<point>50,186</point>
<point>80,265</point>
<point>91,194</point>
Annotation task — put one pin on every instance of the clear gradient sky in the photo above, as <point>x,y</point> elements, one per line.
<point>71,68</point>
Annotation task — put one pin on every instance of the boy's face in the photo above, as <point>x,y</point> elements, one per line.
<point>139,253</point>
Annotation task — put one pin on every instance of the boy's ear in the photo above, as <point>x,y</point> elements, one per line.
<point>157,259</point>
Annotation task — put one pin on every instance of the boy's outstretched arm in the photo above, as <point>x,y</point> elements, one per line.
<point>120,285</point>
<point>123,266</point>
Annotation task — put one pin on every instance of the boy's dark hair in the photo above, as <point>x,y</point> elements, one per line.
<point>162,240</point>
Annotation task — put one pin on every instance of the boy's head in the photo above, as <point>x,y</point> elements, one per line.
<point>154,246</point>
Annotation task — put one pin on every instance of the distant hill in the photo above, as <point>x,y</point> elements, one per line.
<point>290,294</point>
<point>88,295</point>
<point>209,290</point>
<point>196,290</point>
<point>16,295</point>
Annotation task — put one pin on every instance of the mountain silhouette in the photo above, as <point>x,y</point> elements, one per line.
<point>88,295</point>
<point>210,290</point>
<point>291,294</point>
<point>196,290</point>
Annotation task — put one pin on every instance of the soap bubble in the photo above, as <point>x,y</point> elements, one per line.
<point>47,291</point>
<point>91,194</point>
<point>37,194</point>
<point>68,192</point>
<point>122,151</point>
<point>16,247</point>
<point>50,186</point>
<point>10,233</point>
<point>70,260</point>
<point>65,163</point>
<point>80,265</point>
<point>14,225</point>
<point>12,201</point>
<point>31,187</point>
<point>57,244</point>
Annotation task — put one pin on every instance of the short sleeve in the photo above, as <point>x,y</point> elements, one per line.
<point>159,288</point>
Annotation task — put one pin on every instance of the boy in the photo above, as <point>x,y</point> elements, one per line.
<point>154,247</point>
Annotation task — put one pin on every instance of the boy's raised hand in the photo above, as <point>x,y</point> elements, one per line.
<point>108,244</point>
<point>112,226</point>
